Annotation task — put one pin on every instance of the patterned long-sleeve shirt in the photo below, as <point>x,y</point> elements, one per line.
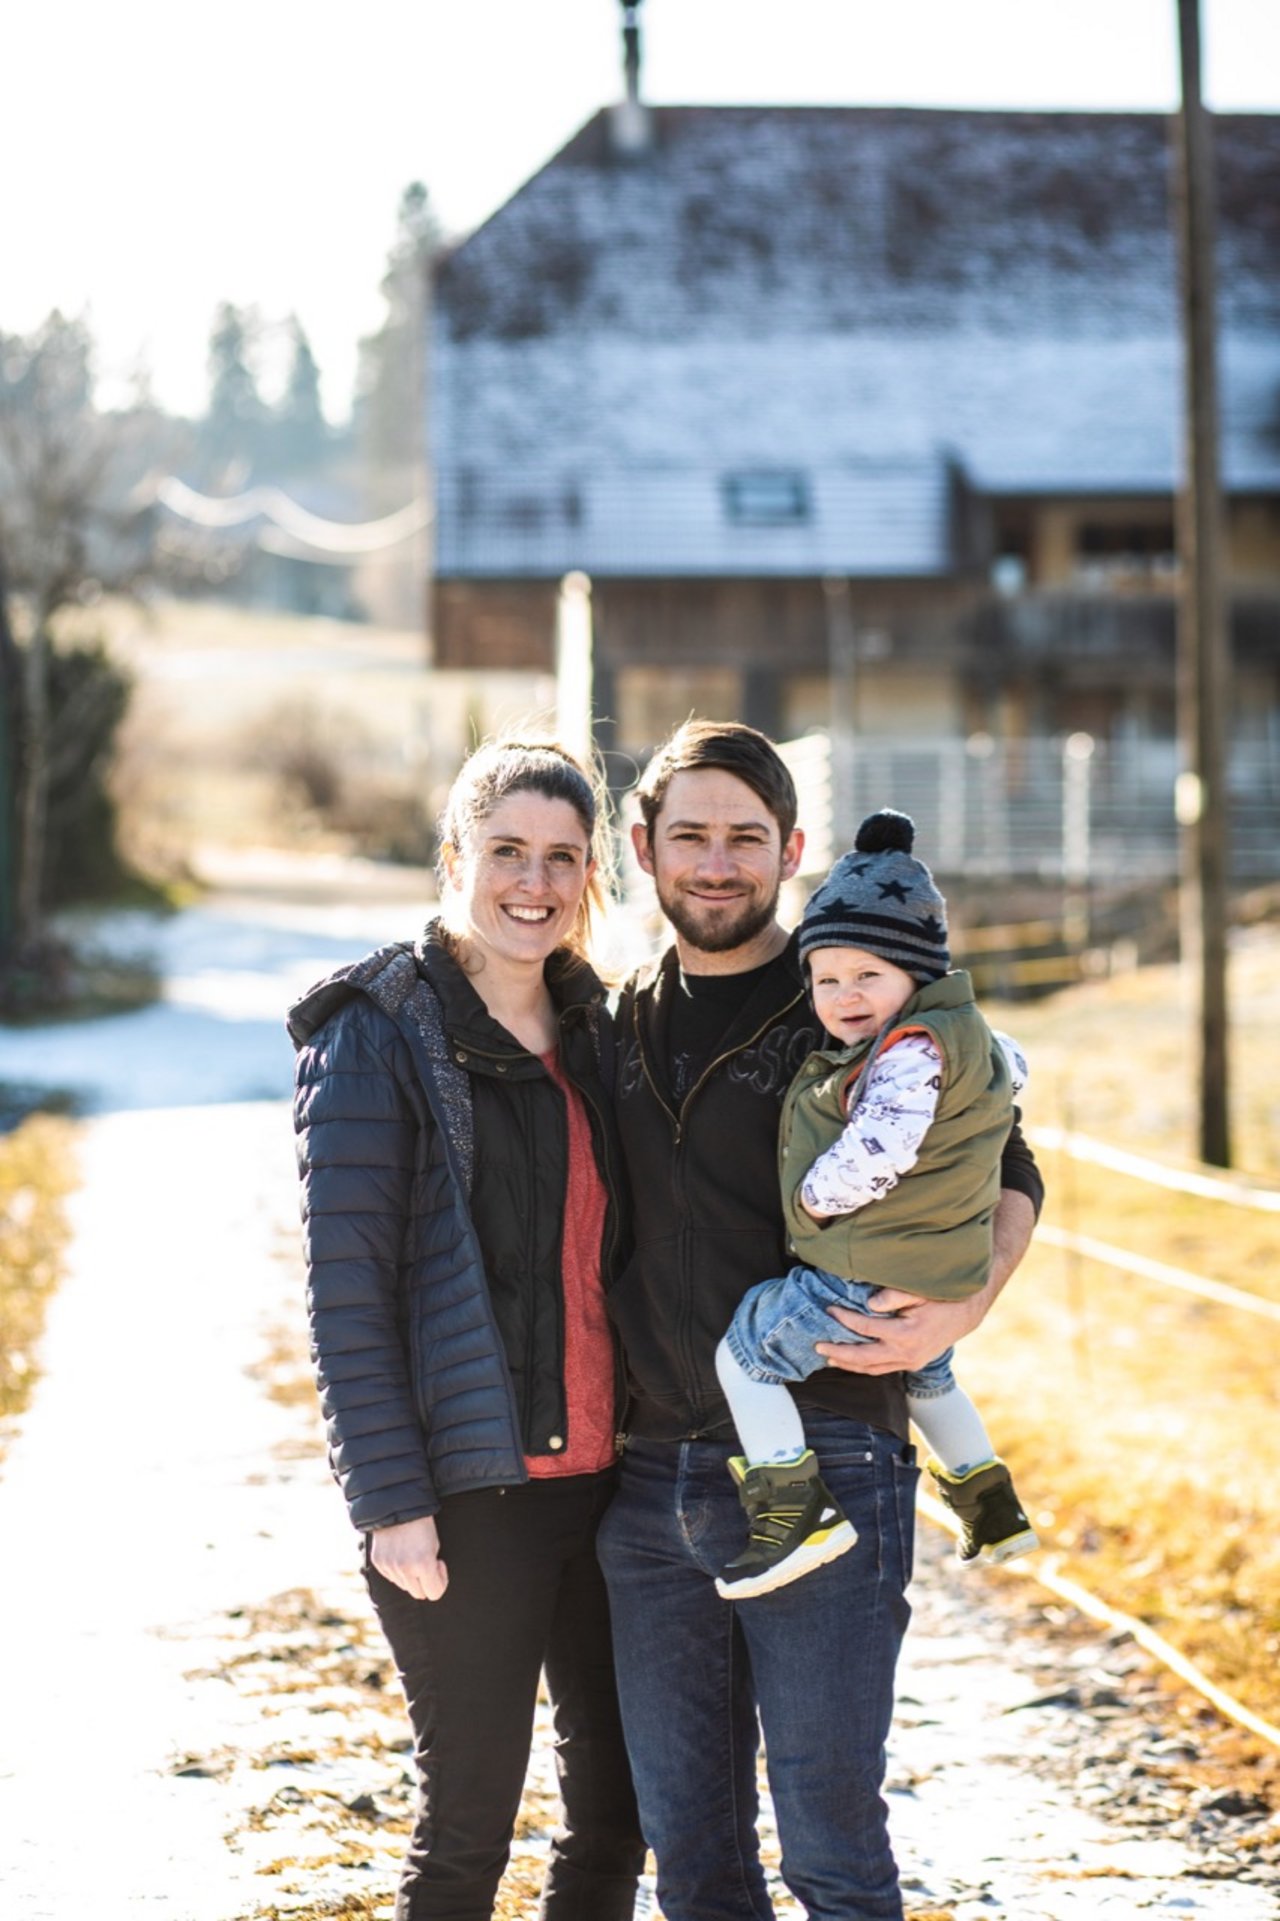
<point>882,1140</point>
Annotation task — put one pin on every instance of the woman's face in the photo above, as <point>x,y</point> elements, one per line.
<point>518,881</point>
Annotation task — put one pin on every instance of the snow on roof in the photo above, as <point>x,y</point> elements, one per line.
<point>822,291</point>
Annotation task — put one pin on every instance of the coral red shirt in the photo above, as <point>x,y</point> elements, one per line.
<point>588,1342</point>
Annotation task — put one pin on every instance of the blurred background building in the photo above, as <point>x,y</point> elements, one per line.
<point>864,411</point>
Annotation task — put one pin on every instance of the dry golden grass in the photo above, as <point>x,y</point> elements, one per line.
<point>285,1372</point>
<point>1141,1421</point>
<point>1117,1058</point>
<point>37,1171</point>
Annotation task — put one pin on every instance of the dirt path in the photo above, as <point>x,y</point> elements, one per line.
<point>145,1497</point>
<point>198,1722</point>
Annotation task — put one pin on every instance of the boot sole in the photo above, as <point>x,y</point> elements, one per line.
<point>1010,1550</point>
<point>814,1554</point>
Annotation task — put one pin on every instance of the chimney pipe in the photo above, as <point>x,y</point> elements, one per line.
<point>631,49</point>
<point>629,121</point>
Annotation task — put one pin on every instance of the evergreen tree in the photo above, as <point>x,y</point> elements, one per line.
<point>390,409</point>
<point>302,434</point>
<point>233,425</point>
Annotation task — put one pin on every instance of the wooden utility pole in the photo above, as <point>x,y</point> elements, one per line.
<point>1202,634</point>
<point>574,676</point>
<point>842,681</point>
<point>8,769</point>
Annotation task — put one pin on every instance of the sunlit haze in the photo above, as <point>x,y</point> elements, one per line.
<point>158,159</point>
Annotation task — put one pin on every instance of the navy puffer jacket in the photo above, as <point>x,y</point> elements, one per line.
<point>432,1150</point>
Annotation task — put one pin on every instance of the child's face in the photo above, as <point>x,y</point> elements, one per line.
<point>855,993</point>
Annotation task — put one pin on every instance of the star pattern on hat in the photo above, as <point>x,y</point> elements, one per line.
<point>933,927</point>
<point>893,889</point>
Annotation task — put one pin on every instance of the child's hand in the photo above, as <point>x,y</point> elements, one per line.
<point>892,1300</point>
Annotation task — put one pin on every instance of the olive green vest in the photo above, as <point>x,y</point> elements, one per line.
<point>931,1234</point>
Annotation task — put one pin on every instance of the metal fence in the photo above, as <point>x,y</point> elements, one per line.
<point>1074,810</point>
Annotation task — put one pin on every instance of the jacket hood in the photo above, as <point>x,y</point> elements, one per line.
<point>321,1002</point>
<point>389,973</point>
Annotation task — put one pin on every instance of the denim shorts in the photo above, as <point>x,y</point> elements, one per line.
<point>772,1335</point>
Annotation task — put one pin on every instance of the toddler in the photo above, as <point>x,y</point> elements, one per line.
<point>889,1155</point>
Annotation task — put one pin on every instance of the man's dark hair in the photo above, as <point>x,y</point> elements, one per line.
<point>733,748</point>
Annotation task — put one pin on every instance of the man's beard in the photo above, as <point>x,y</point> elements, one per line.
<point>726,931</point>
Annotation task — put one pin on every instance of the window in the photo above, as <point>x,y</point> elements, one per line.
<point>805,701</point>
<point>651,701</point>
<point>767,497</point>
<point>1137,541</point>
<point>1139,551</point>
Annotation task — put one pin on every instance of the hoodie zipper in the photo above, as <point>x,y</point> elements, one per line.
<point>684,1321</point>
<point>676,1115</point>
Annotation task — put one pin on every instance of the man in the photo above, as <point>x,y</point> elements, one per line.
<point>710,1038</point>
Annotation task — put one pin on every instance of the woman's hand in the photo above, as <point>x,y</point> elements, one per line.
<point>409,1555</point>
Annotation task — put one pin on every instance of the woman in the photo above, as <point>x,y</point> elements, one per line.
<point>460,1203</point>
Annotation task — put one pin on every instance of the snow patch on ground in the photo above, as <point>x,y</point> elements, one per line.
<point>143,1495</point>
<point>216,1034</point>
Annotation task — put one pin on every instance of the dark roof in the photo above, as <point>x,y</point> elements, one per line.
<point>853,296</point>
<point>858,217</point>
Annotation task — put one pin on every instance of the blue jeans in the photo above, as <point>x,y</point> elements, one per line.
<point>772,1334</point>
<point>814,1660</point>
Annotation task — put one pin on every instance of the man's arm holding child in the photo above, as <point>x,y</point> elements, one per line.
<point>920,1329</point>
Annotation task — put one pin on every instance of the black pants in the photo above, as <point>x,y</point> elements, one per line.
<point>525,1593</point>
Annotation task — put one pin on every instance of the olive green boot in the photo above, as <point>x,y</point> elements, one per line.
<point>796,1526</point>
<point>993,1526</point>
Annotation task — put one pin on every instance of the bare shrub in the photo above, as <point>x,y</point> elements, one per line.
<point>332,774</point>
<point>387,819</point>
<point>307,750</point>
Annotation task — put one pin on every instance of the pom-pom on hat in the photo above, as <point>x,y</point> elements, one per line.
<point>882,899</point>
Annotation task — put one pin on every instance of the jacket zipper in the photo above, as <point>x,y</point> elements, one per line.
<point>527,1440</point>
<point>611,1188</point>
<point>606,1252</point>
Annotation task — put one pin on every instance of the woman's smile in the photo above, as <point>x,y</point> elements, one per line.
<point>519,884</point>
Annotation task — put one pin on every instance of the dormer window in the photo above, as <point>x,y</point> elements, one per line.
<point>767,497</point>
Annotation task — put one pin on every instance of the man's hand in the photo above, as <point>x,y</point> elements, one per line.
<point>921,1329</point>
<point>409,1555</point>
<point>905,1344</point>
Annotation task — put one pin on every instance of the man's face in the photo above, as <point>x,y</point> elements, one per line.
<point>717,859</point>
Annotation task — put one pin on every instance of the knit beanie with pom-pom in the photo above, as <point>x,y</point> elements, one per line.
<point>882,899</point>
